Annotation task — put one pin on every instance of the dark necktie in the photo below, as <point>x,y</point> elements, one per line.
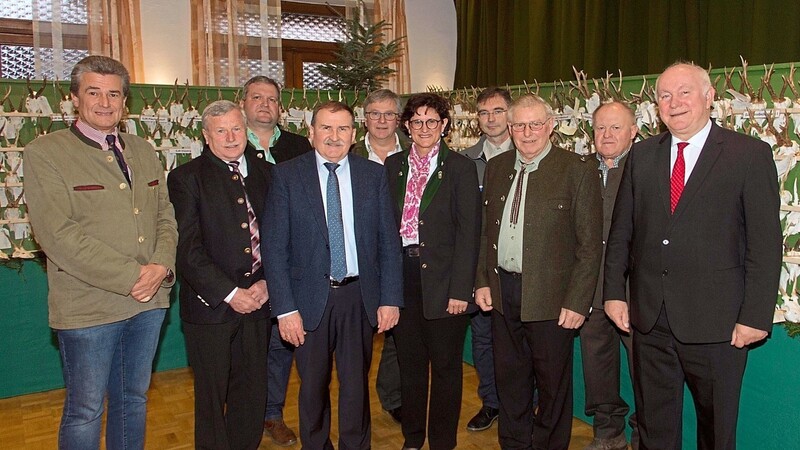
<point>515,204</point>
<point>335,225</point>
<point>112,144</point>
<point>677,180</point>
<point>255,237</point>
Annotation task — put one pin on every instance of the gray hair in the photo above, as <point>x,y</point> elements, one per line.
<point>705,79</point>
<point>530,101</point>
<point>629,112</point>
<point>102,65</point>
<point>381,95</point>
<point>219,108</point>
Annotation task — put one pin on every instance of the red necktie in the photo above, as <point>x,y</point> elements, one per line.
<point>677,180</point>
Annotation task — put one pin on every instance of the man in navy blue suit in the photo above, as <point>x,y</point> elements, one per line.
<point>334,272</point>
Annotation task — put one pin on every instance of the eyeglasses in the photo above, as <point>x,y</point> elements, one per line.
<point>533,126</point>
<point>484,114</point>
<point>430,123</point>
<point>376,115</point>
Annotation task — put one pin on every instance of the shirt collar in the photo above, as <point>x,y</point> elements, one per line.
<point>95,135</point>
<point>253,138</point>
<point>698,140</point>
<point>615,161</point>
<point>397,147</point>
<point>345,162</point>
<point>531,166</point>
<point>490,150</point>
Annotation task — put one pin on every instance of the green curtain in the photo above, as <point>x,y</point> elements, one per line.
<point>507,41</point>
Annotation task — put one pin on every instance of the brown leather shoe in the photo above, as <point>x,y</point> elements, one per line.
<point>280,433</point>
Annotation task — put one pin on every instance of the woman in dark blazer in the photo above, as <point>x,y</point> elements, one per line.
<point>437,208</point>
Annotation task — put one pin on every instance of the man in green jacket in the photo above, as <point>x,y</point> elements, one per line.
<point>99,209</point>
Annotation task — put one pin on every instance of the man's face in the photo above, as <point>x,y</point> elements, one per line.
<point>100,101</point>
<point>531,142</point>
<point>226,135</point>
<point>382,127</point>
<point>614,130</point>
<point>262,105</point>
<point>684,103</point>
<point>492,117</point>
<point>332,134</point>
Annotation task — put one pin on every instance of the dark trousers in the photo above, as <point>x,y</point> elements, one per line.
<point>713,373</point>
<point>524,351</point>
<point>600,355</point>
<point>483,357</point>
<point>229,361</point>
<point>388,381</point>
<point>346,333</point>
<point>423,345</point>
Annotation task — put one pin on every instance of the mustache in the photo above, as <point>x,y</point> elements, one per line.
<point>333,142</point>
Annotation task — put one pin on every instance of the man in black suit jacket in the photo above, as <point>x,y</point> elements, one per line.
<point>218,198</point>
<point>261,102</point>
<point>333,264</point>
<point>703,262</point>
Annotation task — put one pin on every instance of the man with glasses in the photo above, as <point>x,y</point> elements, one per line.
<point>541,248</point>
<point>261,102</point>
<point>493,106</point>
<point>382,112</point>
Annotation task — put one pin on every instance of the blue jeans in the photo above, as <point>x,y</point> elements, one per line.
<point>279,367</point>
<point>115,358</point>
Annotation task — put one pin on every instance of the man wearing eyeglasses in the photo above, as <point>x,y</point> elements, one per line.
<point>382,113</point>
<point>493,106</point>
<point>261,102</point>
<point>541,247</point>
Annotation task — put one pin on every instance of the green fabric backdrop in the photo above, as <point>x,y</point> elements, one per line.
<point>507,41</point>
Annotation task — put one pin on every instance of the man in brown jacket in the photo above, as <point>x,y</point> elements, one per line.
<point>100,210</point>
<point>540,255</point>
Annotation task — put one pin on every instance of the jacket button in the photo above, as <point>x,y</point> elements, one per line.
<point>494,246</point>
<point>122,186</point>
<point>560,206</point>
<point>240,201</point>
<point>247,274</point>
<point>136,211</point>
<point>260,155</point>
<point>665,272</point>
<point>244,225</point>
<point>604,242</point>
<point>247,250</point>
<point>422,222</point>
<point>235,178</point>
<point>141,239</point>
<point>665,242</point>
<point>502,198</point>
<point>422,244</point>
<point>424,266</point>
<point>497,222</point>
<point>110,158</point>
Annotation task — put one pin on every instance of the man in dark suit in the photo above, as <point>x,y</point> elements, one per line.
<point>261,103</point>
<point>217,198</point>
<point>614,126</point>
<point>334,272</point>
<point>703,262</point>
<point>493,104</point>
<point>540,255</point>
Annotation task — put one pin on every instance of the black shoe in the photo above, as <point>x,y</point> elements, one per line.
<point>396,415</point>
<point>484,419</point>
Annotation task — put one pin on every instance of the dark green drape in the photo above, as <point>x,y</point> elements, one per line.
<point>507,41</point>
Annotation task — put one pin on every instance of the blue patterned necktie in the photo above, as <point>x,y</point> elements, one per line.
<point>335,225</point>
<point>123,166</point>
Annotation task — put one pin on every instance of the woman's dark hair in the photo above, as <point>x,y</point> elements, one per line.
<point>426,100</point>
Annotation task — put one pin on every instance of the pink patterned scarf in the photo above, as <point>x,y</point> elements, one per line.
<point>420,166</point>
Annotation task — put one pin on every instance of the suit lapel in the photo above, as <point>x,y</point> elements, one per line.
<point>663,170</point>
<point>402,181</point>
<point>310,181</point>
<point>708,156</point>
<point>435,180</point>
<point>360,190</point>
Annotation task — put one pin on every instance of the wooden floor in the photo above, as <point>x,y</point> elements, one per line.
<point>30,422</point>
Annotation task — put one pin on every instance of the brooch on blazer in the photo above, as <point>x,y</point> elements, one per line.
<point>439,174</point>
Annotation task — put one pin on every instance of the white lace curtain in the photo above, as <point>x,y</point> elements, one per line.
<point>233,40</point>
